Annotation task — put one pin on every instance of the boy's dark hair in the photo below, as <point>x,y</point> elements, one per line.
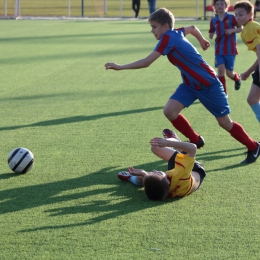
<point>249,7</point>
<point>225,1</point>
<point>163,16</point>
<point>155,187</point>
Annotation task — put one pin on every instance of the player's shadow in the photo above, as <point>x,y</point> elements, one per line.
<point>109,197</point>
<point>219,155</point>
<point>81,118</point>
<point>65,37</point>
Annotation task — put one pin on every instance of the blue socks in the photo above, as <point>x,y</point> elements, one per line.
<point>135,181</point>
<point>256,110</point>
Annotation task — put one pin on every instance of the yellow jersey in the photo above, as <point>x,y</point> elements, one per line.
<point>251,35</point>
<point>180,178</point>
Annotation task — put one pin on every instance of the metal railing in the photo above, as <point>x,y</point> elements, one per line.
<point>98,8</point>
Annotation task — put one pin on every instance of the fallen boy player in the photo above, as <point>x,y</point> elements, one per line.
<point>184,175</point>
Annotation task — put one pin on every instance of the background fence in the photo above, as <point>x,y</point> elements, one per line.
<point>97,8</point>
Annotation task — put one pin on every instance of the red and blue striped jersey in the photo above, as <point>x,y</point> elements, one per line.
<point>224,44</point>
<point>181,53</point>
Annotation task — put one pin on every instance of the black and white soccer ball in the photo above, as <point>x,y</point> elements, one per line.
<point>20,160</point>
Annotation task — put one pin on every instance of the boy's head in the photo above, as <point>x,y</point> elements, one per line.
<point>162,16</point>
<point>226,2</point>
<point>244,11</point>
<point>156,186</point>
<point>220,5</point>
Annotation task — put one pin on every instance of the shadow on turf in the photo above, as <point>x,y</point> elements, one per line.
<point>76,119</point>
<point>103,197</point>
<point>9,175</point>
<point>101,194</point>
<point>66,37</point>
<point>219,155</point>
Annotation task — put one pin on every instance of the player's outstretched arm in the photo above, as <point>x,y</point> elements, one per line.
<point>247,73</point>
<point>235,30</point>
<point>139,64</point>
<point>193,30</point>
<point>189,148</point>
<point>137,172</point>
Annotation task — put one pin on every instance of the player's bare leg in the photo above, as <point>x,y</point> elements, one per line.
<point>253,100</point>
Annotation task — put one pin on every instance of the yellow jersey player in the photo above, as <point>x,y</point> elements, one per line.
<point>244,12</point>
<point>184,175</point>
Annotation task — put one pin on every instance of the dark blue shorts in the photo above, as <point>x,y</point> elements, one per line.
<point>198,167</point>
<point>213,98</point>
<point>227,60</point>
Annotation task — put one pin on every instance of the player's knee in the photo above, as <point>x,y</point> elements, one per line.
<point>251,100</point>
<point>166,111</point>
<point>230,74</point>
<point>225,123</point>
<point>169,113</point>
<point>154,149</point>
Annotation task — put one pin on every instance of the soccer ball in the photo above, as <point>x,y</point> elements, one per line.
<point>20,160</point>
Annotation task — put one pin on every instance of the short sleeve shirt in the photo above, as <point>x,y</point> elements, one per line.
<point>224,44</point>
<point>182,54</point>
<point>180,178</point>
<point>251,35</point>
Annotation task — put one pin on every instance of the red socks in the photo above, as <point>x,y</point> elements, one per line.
<point>223,81</point>
<point>183,126</point>
<point>241,136</point>
<point>236,78</point>
<point>237,132</point>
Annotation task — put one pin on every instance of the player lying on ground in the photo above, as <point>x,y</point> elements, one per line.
<point>184,174</point>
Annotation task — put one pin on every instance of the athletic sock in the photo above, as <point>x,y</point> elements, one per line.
<point>135,181</point>
<point>223,81</point>
<point>256,110</point>
<point>183,126</point>
<point>238,132</point>
<point>236,77</point>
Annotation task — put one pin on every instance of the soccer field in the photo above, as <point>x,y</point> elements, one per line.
<point>85,124</point>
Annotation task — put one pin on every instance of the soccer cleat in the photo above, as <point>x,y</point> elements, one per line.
<point>124,176</point>
<point>238,84</point>
<point>200,143</point>
<point>167,133</point>
<point>252,155</point>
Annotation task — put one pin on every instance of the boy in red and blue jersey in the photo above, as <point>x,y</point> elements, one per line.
<point>225,26</point>
<point>199,81</point>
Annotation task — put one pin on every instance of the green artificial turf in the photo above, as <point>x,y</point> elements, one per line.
<point>84,124</point>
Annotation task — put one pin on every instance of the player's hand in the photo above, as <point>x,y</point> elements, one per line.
<point>211,35</point>
<point>244,75</point>
<point>158,141</point>
<point>159,173</point>
<point>112,66</point>
<point>137,172</point>
<point>229,31</point>
<point>205,44</point>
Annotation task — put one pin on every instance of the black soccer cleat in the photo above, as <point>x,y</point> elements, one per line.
<point>200,143</point>
<point>252,155</point>
<point>238,84</point>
